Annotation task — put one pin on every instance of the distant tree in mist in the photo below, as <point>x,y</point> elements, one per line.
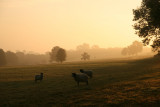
<point>61,55</point>
<point>20,54</point>
<point>135,48</point>
<point>53,53</point>
<point>31,58</point>
<point>11,58</point>
<point>21,57</point>
<point>95,51</point>
<point>85,56</point>
<point>124,51</point>
<point>2,58</point>
<point>83,47</point>
<point>57,54</point>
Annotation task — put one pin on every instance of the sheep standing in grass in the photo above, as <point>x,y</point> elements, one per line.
<point>80,78</point>
<point>39,77</point>
<point>89,73</point>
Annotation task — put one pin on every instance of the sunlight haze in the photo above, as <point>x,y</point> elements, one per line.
<point>39,25</point>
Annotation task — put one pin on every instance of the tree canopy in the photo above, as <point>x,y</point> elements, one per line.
<point>53,53</point>
<point>147,25</point>
<point>133,49</point>
<point>11,58</point>
<point>85,56</point>
<point>61,55</point>
<point>58,54</point>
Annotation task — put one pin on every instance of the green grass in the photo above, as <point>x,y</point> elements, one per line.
<point>115,82</point>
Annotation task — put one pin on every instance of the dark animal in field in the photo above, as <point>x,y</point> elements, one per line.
<point>39,77</point>
<point>89,72</point>
<point>80,78</point>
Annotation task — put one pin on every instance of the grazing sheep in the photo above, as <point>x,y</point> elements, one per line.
<point>80,78</point>
<point>89,73</point>
<point>39,77</point>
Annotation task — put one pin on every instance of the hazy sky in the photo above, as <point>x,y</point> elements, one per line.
<point>39,25</point>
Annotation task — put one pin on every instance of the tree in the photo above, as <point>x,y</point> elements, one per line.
<point>61,55</point>
<point>2,58</point>
<point>135,48</point>
<point>57,54</point>
<point>21,57</point>
<point>147,25</point>
<point>83,47</point>
<point>85,56</point>
<point>11,58</point>
<point>53,53</point>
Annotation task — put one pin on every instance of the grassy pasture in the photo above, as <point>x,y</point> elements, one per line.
<point>115,82</point>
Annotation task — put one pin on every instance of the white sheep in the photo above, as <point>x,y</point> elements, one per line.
<point>80,78</point>
<point>39,77</point>
<point>89,72</point>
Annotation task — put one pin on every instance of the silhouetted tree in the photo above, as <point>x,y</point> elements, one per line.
<point>2,58</point>
<point>147,25</point>
<point>85,56</point>
<point>57,54</point>
<point>11,58</point>
<point>53,53</point>
<point>61,55</point>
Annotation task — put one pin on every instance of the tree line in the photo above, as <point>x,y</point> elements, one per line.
<point>21,58</point>
<point>133,49</point>
<point>59,55</point>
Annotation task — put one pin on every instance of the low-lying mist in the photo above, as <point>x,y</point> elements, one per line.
<point>80,53</point>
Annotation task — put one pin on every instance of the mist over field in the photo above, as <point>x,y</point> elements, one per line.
<point>79,53</point>
<point>101,30</point>
<point>95,53</point>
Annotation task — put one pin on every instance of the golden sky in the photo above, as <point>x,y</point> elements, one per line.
<point>39,25</point>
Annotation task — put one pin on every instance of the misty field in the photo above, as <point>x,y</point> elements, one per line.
<point>114,82</point>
